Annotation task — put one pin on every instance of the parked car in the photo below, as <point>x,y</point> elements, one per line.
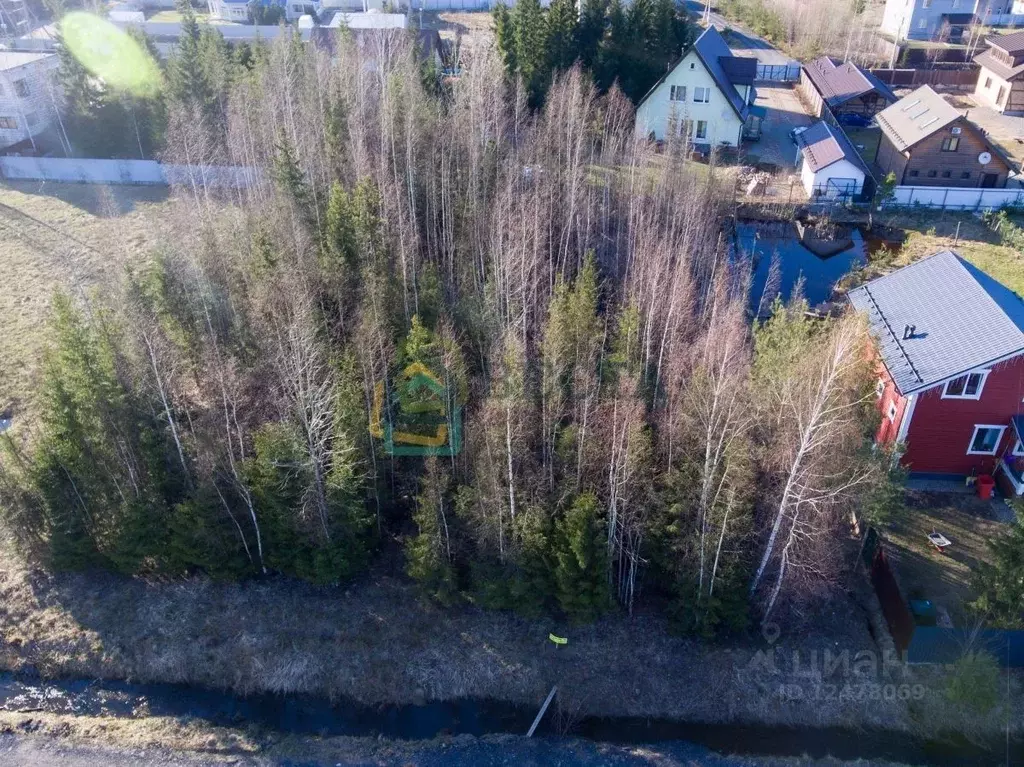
<point>854,120</point>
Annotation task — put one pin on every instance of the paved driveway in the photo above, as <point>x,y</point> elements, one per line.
<point>1005,130</point>
<point>785,112</point>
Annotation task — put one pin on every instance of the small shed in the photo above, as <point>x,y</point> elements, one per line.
<point>830,167</point>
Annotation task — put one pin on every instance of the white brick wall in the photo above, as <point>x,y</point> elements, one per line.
<point>28,95</point>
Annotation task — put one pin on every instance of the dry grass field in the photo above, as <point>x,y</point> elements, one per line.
<point>376,643</point>
<point>74,237</point>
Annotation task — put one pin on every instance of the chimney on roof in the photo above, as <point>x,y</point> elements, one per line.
<point>908,331</point>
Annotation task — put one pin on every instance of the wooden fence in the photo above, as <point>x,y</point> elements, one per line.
<point>959,79</point>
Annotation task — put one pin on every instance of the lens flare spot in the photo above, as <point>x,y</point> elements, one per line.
<point>110,54</point>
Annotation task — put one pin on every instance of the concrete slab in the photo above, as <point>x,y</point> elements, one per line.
<point>784,112</point>
<point>1005,130</point>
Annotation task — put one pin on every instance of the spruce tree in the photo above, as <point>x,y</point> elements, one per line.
<point>1000,581</point>
<point>581,561</point>
<point>531,36</point>
<point>563,34</point>
<point>592,24</point>
<point>505,38</point>
<point>429,552</point>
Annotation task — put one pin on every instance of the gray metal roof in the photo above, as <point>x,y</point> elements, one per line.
<point>14,59</point>
<point>819,146</point>
<point>1013,43</point>
<point>989,61</point>
<point>915,117</point>
<point>838,83</point>
<point>962,319</point>
<point>712,48</point>
<point>741,70</point>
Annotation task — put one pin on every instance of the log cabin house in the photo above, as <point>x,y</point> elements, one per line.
<point>925,141</point>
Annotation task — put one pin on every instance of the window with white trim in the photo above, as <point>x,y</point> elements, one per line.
<point>968,386</point>
<point>8,123</point>
<point>985,440</point>
<point>892,412</point>
<point>677,93</point>
<point>702,129</point>
<point>1018,449</point>
<point>701,95</point>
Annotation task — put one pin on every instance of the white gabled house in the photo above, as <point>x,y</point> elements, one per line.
<point>829,165</point>
<point>708,96</point>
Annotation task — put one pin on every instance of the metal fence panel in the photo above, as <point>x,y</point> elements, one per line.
<point>778,73</point>
<point>954,198</point>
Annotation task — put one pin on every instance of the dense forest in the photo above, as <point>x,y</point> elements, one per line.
<point>628,435</point>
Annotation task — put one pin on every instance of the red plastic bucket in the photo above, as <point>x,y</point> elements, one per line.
<point>985,484</point>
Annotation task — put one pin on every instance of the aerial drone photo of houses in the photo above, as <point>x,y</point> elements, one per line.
<point>589,382</point>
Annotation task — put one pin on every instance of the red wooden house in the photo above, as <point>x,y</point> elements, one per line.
<point>950,341</point>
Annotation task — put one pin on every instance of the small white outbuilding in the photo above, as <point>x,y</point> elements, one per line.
<point>829,165</point>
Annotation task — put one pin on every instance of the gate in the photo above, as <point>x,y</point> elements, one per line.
<point>778,73</point>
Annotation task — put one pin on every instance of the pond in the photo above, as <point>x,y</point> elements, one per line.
<point>780,260</point>
<point>306,714</point>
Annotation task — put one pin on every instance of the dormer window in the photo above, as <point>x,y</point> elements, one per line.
<point>967,386</point>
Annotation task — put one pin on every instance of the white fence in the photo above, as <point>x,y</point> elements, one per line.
<point>92,171</point>
<point>955,198</point>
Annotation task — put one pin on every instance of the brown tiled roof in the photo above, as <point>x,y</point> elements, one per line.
<point>838,83</point>
<point>819,147</point>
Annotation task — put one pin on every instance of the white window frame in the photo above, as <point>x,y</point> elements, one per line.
<point>677,93</point>
<point>999,440</point>
<point>891,412</point>
<point>698,91</point>
<point>697,131</point>
<point>1018,449</point>
<point>976,395</point>
<point>9,123</point>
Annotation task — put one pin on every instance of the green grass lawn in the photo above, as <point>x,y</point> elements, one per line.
<point>865,141</point>
<point>931,231</point>
<point>945,579</point>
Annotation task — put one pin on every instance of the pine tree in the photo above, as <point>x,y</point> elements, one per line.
<point>581,564</point>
